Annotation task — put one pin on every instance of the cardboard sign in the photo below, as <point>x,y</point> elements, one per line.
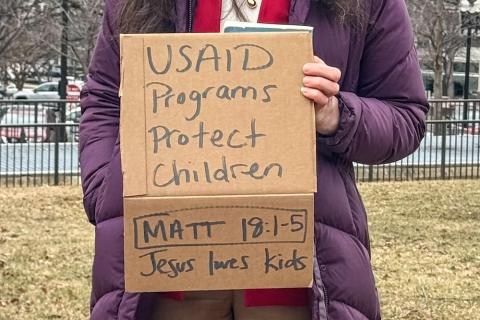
<point>231,242</point>
<point>218,160</point>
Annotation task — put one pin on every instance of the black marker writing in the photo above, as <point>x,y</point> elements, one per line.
<point>225,264</point>
<point>172,268</point>
<point>152,65</point>
<point>164,176</point>
<point>196,60</point>
<point>171,230</point>
<point>276,262</point>
<point>164,137</point>
<point>164,96</point>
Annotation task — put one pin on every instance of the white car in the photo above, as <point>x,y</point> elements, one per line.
<point>9,90</point>
<point>23,116</point>
<point>45,91</point>
<point>72,120</point>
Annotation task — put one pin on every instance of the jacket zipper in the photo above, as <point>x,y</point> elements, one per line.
<point>325,293</point>
<point>190,15</point>
<point>325,296</point>
<point>320,271</point>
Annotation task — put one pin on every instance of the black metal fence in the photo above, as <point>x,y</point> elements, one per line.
<point>39,162</point>
<point>454,109</point>
<point>450,150</point>
<point>16,112</point>
<point>39,145</point>
<point>39,142</point>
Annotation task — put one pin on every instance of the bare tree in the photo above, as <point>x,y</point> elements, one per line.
<point>84,18</point>
<point>22,38</point>
<point>85,25</point>
<point>437,25</point>
<point>10,24</point>
<point>30,34</point>
<point>15,17</point>
<point>27,55</point>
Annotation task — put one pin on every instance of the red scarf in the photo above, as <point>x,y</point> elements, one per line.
<point>207,19</point>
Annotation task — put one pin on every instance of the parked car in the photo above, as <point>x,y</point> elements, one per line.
<point>472,130</point>
<point>73,119</point>
<point>16,116</point>
<point>8,91</point>
<point>79,83</point>
<point>45,91</point>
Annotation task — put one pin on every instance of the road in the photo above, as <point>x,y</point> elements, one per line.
<point>38,158</point>
<point>29,159</point>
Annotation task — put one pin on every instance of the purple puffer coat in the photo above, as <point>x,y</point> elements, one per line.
<point>382,120</point>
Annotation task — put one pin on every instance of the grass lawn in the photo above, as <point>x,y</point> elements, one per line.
<point>425,242</point>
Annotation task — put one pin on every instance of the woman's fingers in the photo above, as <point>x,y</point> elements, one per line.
<point>320,81</point>
<point>320,69</point>
<point>320,85</point>
<point>316,95</point>
<point>329,88</point>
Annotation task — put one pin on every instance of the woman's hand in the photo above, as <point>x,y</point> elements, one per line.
<point>320,84</point>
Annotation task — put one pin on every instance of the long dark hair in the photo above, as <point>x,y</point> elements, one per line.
<point>148,16</point>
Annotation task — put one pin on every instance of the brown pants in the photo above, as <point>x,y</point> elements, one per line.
<point>221,305</point>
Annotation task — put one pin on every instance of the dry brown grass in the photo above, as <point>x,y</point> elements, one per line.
<point>426,248</point>
<point>46,250</point>
<point>425,240</point>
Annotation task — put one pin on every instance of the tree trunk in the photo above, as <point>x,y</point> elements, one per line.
<point>447,75</point>
<point>20,75</point>
<point>19,81</point>
<point>436,111</point>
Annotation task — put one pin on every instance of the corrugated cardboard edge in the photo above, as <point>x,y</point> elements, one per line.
<point>314,125</point>
<point>131,106</point>
<point>223,196</point>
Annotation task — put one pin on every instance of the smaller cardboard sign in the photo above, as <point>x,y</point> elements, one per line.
<point>233,242</point>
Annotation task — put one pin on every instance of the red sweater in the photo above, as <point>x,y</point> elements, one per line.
<point>207,19</point>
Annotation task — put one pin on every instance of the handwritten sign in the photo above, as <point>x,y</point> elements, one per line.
<point>218,157</point>
<point>240,242</point>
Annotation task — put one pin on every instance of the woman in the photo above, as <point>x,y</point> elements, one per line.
<point>370,108</point>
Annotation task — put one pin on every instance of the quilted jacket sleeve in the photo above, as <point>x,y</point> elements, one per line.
<point>384,120</point>
<point>99,144</point>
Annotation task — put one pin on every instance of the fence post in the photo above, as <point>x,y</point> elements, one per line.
<point>444,149</point>
<point>62,131</point>
<point>474,115</point>
<point>35,134</point>
<point>370,173</point>
<point>56,156</point>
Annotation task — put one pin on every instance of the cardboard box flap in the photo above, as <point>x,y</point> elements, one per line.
<point>132,136</point>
